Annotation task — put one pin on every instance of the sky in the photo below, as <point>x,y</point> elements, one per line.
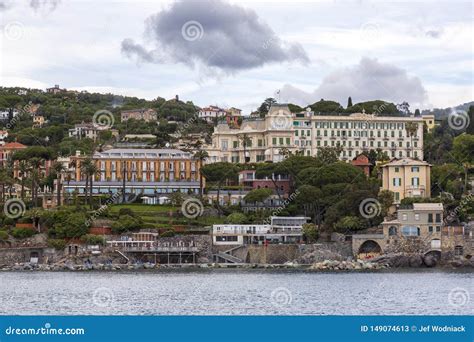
<point>237,53</point>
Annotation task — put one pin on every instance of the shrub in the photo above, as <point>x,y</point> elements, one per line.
<point>58,244</point>
<point>168,233</point>
<point>3,235</point>
<point>126,211</point>
<point>236,218</point>
<point>23,233</point>
<point>92,239</point>
<point>126,223</point>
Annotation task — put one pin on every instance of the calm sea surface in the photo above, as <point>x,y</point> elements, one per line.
<point>236,292</point>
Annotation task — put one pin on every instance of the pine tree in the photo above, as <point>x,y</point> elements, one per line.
<point>349,102</point>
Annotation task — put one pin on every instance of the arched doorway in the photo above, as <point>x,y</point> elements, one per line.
<point>369,249</point>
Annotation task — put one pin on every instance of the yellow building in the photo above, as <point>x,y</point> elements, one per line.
<point>147,172</point>
<point>407,178</point>
<point>429,120</point>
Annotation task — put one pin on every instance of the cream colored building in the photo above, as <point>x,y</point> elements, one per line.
<point>407,178</point>
<point>360,132</point>
<point>257,139</point>
<point>306,133</point>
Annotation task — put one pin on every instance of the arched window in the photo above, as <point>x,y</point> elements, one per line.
<point>392,231</point>
<point>458,250</point>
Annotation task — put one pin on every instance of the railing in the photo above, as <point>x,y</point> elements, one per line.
<point>157,249</point>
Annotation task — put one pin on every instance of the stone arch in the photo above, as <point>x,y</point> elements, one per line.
<point>370,246</point>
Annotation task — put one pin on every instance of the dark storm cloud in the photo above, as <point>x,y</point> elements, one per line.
<point>214,33</point>
<point>368,80</point>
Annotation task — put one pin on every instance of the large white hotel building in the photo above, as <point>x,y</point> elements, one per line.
<point>306,132</point>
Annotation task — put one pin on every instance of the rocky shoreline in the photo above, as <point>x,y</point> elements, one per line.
<point>382,263</point>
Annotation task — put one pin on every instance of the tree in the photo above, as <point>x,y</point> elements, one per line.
<point>463,147</point>
<point>324,107</point>
<point>219,174</point>
<point>404,108</point>
<point>58,169</point>
<point>349,223</point>
<point>385,199</point>
<point>86,167</point>
<point>10,102</point>
<point>310,232</point>
<point>23,172</point>
<point>411,128</point>
<point>236,218</point>
<point>329,155</point>
<point>349,102</point>
<point>265,106</point>
<point>258,195</point>
<point>245,140</point>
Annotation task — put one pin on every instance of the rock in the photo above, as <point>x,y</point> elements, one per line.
<point>430,260</point>
<point>416,261</point>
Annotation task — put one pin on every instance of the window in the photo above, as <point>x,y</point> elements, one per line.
<point>458,251</point>
<point>397,196</point>
<point>404,217</point>
<point>417,217</point>
<point>438,218</point>
<point>397,181</point>
<point>235,144</point>
<point>260,143</point>
<point>438,229</point>
<point>288,140</point>
<point>430,229</point>
<point>226,238</point>
<point>392,231</point>
<point>415,169</point>
<point>415,181</point>
<point>411,231</point>
<point>274,141</point>
<point>430,217</point>
<point>280,141</point>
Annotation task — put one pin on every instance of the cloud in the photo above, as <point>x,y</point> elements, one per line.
<point>214,34</point>
<point>368,80</point>
<point>49,5</point>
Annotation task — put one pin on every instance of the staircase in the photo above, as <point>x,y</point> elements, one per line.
<point>228,258</point>
<point>123,255</point>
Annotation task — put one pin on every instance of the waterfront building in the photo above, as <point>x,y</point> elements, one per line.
<point>150,172</point>
<point>145,114</point>
<point>280,229</point>
<point>407,178</point>
<point>417,228</point>
<point>257,140</point>
<point>307,132</point>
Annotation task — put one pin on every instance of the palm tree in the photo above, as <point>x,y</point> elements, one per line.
<point>93,171</point>
<point>23,172</point>
<point>4,179</point>
<point>58,169</point>
<point>35,164</point>
<point>411,128</point>
<point>201,155</point>
<point>85,165</point>
<point>246,141</point>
